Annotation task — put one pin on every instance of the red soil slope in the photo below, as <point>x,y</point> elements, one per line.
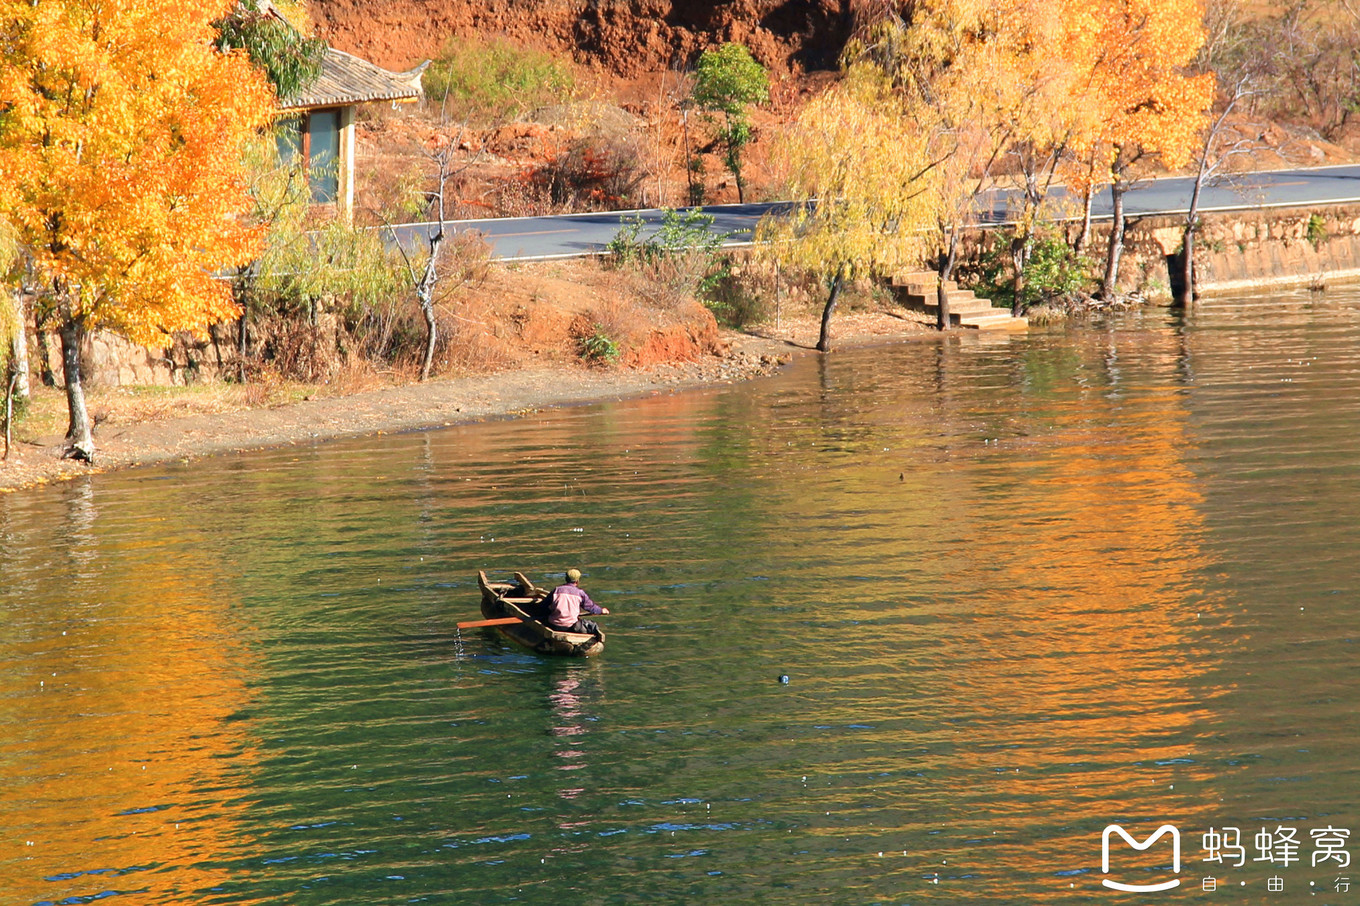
<point>624,37</point>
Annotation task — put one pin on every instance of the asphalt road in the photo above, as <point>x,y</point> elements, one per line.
<point>575,235</point>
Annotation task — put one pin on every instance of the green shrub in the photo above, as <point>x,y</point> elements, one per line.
<point>684,255</point>
<point>313,266</point>
<point>735,298</point>
<point>727,81</point>
<point>1316,233</point>
<point>598,348</point>
<point>486,81</point>
<point>681,233</point>
<point>1054,271</point>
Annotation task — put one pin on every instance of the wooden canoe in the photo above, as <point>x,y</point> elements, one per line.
<point>524,600</point>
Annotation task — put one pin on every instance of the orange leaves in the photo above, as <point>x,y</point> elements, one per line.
<point>1135,55</point>
<point>121,156</point>
<point>1092,76</point>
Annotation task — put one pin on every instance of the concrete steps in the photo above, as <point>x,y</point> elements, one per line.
<point>918,290</point>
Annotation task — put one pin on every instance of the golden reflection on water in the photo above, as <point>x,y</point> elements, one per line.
<point>1074,670</point>
<point>1108,562</point>
<point>122,761</point>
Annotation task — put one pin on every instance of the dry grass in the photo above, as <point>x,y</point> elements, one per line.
<point>357,376</point>
<point>45,416</point>
<point>124,405</point>
<point>495,318</point>
<point>615,318</point>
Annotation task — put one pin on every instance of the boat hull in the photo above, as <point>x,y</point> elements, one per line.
<point>521,599</point>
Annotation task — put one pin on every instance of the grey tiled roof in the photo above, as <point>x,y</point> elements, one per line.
<point>346,79</point>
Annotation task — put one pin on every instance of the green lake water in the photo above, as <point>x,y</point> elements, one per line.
<point>1022,588</point>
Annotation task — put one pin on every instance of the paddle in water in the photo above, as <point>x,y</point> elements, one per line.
<point>500,621</point>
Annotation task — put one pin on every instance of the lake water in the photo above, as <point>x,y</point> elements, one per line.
<point>1022,588</point>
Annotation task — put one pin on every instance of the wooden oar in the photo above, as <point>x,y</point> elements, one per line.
<point>499,621</point>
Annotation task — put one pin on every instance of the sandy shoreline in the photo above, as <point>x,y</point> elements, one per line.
<point>438,403</point>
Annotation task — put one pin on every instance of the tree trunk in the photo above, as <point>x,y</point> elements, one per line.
<point>19,350</point>
<point>242,345</point>
<point>9,407</point>
<point>689,158</point>
<point>80,441</point>
<point>425,295</point>
<point>45,363</point>
<point>427,284</point>
<point>946,271</point>
<point>1085,235</point>
<point>1022,241</point>
<point>1185,293</point>
<point>733,136</point>
<point>824,340</point>
<point>431,335</point>
<point>241,292</point>
<point>1021,246</point>
<point>1109,287</point>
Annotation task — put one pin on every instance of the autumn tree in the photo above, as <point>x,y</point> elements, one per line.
<point>727,81</point>
<point>982,87</point>
<point>13,337</point>
<point>1148,108</point>
<point>1240,72</point>
<point>121,136</point>
<point>865,203</point>
<point>1046,115</point>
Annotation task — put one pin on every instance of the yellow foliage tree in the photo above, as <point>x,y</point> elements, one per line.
<point>1043,116</point>
<point>121,137</point>
<point>863,189</point>
<point>980,81</point>
<point>1146,105</point>
<point>13,342</point>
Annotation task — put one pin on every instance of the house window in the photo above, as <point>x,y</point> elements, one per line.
<point>315,136</point>
<point>323,157</point>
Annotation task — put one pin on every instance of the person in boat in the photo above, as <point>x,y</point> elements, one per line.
<point>566,603</point>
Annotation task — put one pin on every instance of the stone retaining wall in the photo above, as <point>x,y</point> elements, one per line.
<point>1250,249</point>
<point>108,360</point>
<point>1234,251</point>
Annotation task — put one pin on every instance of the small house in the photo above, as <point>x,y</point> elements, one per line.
<point>318,123</point>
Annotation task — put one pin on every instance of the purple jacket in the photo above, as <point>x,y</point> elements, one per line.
<point>566,604</point>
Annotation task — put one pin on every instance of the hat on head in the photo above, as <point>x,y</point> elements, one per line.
<point>573,575</point>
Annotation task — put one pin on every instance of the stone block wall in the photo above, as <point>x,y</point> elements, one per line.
<point>1234,250</point>
<point>1257,249</point>
<point>109,360</point>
